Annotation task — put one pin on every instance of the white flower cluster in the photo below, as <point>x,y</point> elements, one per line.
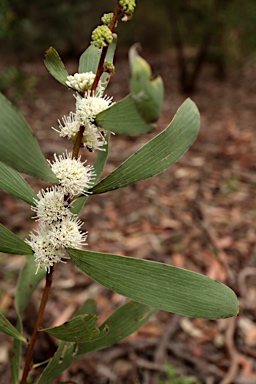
<point>74,177</point>
<point>82,82</point>
<point>88,107</point>
<point>58,228</point>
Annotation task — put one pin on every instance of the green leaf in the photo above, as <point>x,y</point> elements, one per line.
<point>61,360</point>
<point>159,153</point>
<point>147,91</point>
<point>123,117</point>
<point>66,351</point>
<point>101,158</point>
<point>121,323</point>
<point>79,329</point>
<point>159,285</point>
<point>11,243</point>
<point>55,66</point>
<point>7,328</point>
<point>89,307</point>
<point>89,60</point>
<point>19,148</point>
<point>14,355</point>
<point>12,182</point>
<point>27,282</point>
<point>105,77</point>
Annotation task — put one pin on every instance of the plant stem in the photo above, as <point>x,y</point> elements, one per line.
<point>29,354</point>
<point>79,137</point>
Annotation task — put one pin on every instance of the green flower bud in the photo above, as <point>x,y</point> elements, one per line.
<point>106,18</point>
<point>101,36</point>
<point>128,6</point>
<point>109,67</point>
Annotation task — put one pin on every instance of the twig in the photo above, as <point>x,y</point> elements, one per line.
<point>29,354</point>
<point>231,374</point>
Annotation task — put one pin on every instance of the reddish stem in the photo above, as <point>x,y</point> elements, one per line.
<point>29,354</point>
<point>100,69</point>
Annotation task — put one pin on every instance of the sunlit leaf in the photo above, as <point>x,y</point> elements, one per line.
<point>19,148</point>
<point>159,285</point>
<point>159,153</point>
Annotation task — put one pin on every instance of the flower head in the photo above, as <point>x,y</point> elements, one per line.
<point>70,126</point>
<point>65,233</point>
<point>45,254</point>
<point>88,107</point>
<point>93,138</point>
<point>82,82</point>
<point>51,239</point>
<point>51,205</point>
<point>128,6</point>
<point>73,175</point>
<point>101,36</point>
<point>107,18</point>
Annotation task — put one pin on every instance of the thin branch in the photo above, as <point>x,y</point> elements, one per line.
<point>29,354</point>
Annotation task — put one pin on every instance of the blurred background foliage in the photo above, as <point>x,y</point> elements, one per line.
<point>216,31</point>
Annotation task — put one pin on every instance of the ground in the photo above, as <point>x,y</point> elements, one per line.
<point>199,214</point>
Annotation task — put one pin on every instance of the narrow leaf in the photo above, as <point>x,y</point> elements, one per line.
<point>11,243</point>
<point>159,285</point>
<point>89,60</point>
<point>55,66</point>
<point>79,329</point>
<point>7,328</point>
<point>14,355</point>
<point>121,323</point>
<point>159,153</point>
<point>105,77</point>
<point>147,91</point>
<point>61,360</point>
<point>19,148</point>
<point>27,282</point>
<point>89,307</point>
<point>66,351</point>
<point>101,158</point>
<point>12,182</point>
<point>123,117</point>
